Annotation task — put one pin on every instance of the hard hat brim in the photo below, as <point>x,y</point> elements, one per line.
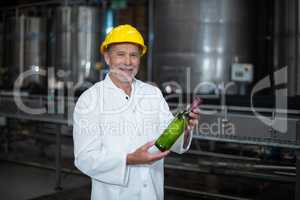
<point>104,47</point>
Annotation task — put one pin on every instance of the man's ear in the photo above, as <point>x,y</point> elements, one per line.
<point>106,57</point>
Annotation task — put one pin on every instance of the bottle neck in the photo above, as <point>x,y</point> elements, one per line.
<point>185,113</point>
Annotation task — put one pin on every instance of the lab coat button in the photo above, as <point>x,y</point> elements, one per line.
<point>145,185</point>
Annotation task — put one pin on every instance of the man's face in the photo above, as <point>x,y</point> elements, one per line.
<point>123,60</point>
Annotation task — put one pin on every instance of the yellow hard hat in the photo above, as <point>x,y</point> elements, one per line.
<point>123,33</point>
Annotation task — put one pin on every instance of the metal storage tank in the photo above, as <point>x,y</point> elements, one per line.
<point>60,42</point>
<point>35,49</point>
<point>25,50</point>
<point>77,33</point>
<point>12,45</point>
<point>203,36</point>
<point>2,67</point>
<point>287,42</point>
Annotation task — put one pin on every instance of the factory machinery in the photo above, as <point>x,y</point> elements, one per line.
<point>241,57</point>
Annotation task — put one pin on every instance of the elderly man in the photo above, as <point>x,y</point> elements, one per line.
<point>116,122</point>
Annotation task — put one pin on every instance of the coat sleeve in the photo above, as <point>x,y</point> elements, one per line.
<point>165,117</point>
<point>91,157</point>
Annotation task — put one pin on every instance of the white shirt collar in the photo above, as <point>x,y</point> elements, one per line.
<point>110,84</point>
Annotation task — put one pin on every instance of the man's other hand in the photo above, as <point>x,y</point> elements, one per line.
<point>142,156</point>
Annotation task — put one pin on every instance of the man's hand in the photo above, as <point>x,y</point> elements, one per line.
<point>194,118</point>
<point>193,121</point>
<point>142,156</point>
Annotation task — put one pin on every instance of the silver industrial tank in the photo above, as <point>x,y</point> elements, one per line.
<point>75,46</point>
<point>2,67</point>
<point>196,41</point>
<point>13,40</point>
<point>287,42</point>
<point>25,51</point>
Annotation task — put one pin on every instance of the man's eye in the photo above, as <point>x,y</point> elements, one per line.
<point>120,54</point>
<point>134,55</point>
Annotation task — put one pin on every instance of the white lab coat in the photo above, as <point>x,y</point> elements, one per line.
<point>107,126</point>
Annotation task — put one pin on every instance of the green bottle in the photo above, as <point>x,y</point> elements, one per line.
<point>176,127</point>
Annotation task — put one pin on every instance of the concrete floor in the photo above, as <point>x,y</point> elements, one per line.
<point>21,182</point>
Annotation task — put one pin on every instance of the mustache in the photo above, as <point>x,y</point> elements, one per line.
<point>119,69</point>
<point>125,66</point>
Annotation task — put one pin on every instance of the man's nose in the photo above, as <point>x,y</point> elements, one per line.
<point>127,60</point>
